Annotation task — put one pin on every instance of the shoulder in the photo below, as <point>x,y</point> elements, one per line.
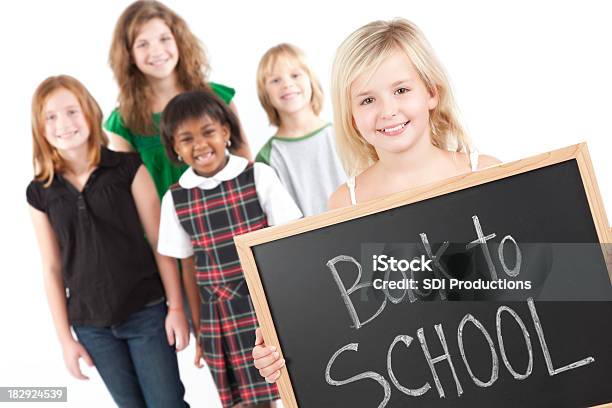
<point>115,124</point>
<point>122,158</point>
<point>339,198</point>
<point>126,163</point>
<point>263,156</point>
<point>114,121</point>
<point>223,91</point>
<point>263,170</point>
<point>176,194</point>
<point>167,201</point>
<point>265,178</point>
<point>35,192</point>
<point>34,185</point>
<point>484,161</point>
<point>173,187</point>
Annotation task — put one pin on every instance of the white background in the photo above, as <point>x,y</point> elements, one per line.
<point>529,77</point>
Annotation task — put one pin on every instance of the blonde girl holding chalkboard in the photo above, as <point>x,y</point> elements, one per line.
<point>396,125</point>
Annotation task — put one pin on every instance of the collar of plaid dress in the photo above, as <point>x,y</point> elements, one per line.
<point>233,168</point>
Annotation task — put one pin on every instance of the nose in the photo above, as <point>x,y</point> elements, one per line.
<point>155,48</point>
<point>200,142</point>
<point>62,122</point>
<point>286,81</point>
<point>389,108</point>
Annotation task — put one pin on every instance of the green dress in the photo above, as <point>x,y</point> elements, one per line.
<point>151,148</point>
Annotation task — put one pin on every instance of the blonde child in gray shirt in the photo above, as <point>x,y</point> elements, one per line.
<point>302,151</point>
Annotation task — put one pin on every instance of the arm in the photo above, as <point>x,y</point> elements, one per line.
<point>245,149</point>
<point>193,297</point>
<point>147,204</point>
<point>191,290</point>
<point>274,198</point>
<point>56,296</point>
<point>118,144</point>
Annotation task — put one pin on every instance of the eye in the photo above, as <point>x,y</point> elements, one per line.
<point>51,117</point>
<point>141,44</point>
<point>166,38</point>
<point>274,81</point>
<point>297,75</point>
<point>185,139</point>
<point>73,112</point>
<point>367,101</point>
<point>400,91</point>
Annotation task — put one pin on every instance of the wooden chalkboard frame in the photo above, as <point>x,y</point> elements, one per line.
<point>245,243</point>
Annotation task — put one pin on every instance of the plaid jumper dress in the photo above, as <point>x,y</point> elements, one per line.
<point>227,319</point>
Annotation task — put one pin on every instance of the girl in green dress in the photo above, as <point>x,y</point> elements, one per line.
<point>154,57</point>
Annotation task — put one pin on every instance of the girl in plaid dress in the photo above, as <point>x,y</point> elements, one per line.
<point>219,196</point>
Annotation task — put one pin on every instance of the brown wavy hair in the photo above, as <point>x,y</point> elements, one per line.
<point>46,159</point>
<point>135,95</point>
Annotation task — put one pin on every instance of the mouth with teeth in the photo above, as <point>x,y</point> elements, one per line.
<point>205,158</point>
<point>393,130</point>
<point>159,62</point>
<point>289,95</point>
<point>67,135</point>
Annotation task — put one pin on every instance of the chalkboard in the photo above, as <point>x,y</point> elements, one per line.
<point>348,344</point>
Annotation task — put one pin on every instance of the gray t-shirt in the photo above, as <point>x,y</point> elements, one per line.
<point>308,167</point>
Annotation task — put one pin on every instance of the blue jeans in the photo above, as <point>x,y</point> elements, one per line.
<point>134,359</point>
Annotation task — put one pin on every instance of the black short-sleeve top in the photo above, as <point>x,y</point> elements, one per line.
<point>108,267</point>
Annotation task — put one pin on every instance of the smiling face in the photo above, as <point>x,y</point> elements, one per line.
<point>288,87</point>
<point>66,127</point>
<point>200,142</point>
<point>391,106</point>
<point>154,50</point>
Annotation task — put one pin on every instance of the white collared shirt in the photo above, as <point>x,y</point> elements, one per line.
<point>274,199</point>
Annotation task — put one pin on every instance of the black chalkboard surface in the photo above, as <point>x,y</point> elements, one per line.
<point>348,344</point>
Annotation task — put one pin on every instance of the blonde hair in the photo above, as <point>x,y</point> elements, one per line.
<point>266,65</point>
<point>46,159</point>
<point>135,95</point>
<point>362,53</point>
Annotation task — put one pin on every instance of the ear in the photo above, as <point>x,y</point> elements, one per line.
<point>434,98</point>
<point>175,146</point>
<point>225,131</point>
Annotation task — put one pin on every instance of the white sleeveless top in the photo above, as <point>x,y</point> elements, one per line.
<point>350,183</point>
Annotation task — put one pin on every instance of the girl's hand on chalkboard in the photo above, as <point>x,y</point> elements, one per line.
<point>266,359</point>
<point>198,355</point>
